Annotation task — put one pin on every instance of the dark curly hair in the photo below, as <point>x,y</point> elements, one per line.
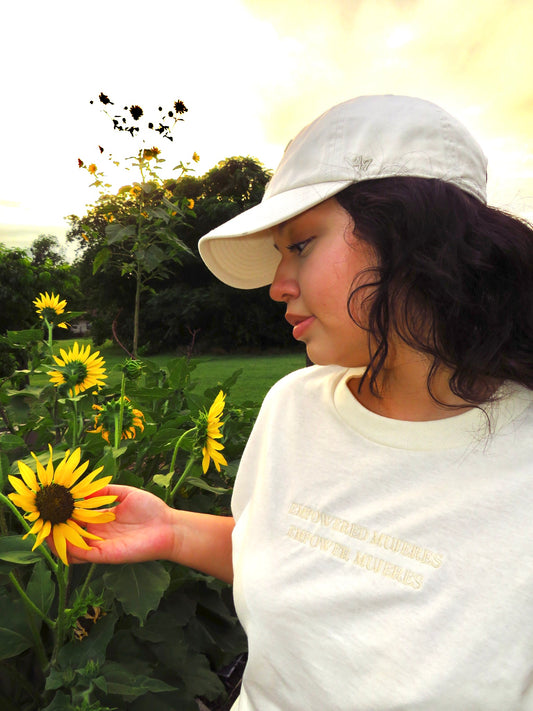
<point>454,281</point>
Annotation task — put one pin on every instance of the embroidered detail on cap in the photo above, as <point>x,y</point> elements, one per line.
<point>361,163</point>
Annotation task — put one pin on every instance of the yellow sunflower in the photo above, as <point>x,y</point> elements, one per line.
<point>49,307</point>
<point>107,418</point>
<point>54,503</point>
<point>210,424</point>
<point>78,369</point>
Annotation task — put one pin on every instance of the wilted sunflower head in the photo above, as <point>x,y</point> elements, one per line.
<point>208,426</point>
<point>106,421</point>
<point>55,504</point>
<point>78,370</point>
<point>49,307</point>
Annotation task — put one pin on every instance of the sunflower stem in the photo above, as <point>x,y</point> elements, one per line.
<point>43,551</point>
<point>189,464</point>
<point>173,461</point>
<point>62,578</point>
<point>29,603</point>
<point>50,332</point>
<point>118,429</point>
<point>74,423</point>
<point>88,577</point>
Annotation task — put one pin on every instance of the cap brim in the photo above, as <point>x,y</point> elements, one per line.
<point>241,252</point>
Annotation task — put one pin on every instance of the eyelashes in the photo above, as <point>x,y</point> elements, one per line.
<point>299,247</point>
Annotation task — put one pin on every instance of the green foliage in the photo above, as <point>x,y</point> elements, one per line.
<point>132,637</point>
<point>182,302</point>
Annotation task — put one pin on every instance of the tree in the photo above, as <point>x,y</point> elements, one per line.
<point>46,250</point>
<point>185,298</point>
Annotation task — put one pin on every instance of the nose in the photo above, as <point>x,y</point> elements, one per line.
<point>284,286</point>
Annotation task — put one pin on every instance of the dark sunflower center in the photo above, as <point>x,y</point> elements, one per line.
<point>55,503</point>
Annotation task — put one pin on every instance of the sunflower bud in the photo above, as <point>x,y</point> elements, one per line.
<point>132,368</point>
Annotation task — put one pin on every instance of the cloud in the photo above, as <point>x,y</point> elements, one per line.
<point>475,68</point>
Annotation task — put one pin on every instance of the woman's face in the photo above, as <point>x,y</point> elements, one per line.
<point>321,261</point>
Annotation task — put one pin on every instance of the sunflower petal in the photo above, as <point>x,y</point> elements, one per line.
<point>43,533</point>
<point>82,491</point>
<point>19,486</point>
<point>86,486</point>
<point>82,531</point>
<point>89,516</point>
<point>28,475</point>
<point>206,459</point>
<point>24,502</point>
<point>37,526</point>
<point>60,542</point>
<point>41,472</point>
<point>65,468</point>
<point>95,502</point>
<point>73,536</point>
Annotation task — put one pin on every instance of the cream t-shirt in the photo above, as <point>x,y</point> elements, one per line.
<point>384,565</point>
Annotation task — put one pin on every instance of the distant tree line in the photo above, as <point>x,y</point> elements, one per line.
<point>184,303</point>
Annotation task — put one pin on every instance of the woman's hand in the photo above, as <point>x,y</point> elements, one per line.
<point>145,528</point>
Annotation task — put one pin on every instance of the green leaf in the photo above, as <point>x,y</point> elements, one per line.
<point>5,469</point>
<point>14,550</point>
<point>163,480</point>
<point>41,588</point>
<point>202,484</point>
<point>116,679</point>
<point>178,372</point>
<point>76,654</point>
<point>15,635</point>
<point>101,258</point>
<point>153,258</point>
<point>10,441</point>
<point>139,587</point>
<point>200,680</point>
<point>23,338</point>
<point>60,702</point>
<point>117,232</point>
<point>160,213</point>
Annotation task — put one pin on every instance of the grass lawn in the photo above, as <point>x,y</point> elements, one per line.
<point>260,372</point>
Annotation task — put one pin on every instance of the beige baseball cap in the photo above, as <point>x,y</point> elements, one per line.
<point>366,138</point>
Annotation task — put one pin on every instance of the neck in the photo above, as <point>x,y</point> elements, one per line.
<point>404,395</point>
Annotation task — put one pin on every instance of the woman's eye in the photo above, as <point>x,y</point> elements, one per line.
<point>298,247</point>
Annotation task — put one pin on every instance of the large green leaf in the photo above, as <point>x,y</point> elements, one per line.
<point>167,702</point>
<point>60,702</point>
<point>23,338</point>
<point>200,680</point>
<point>101,258</point>
<point>76,654</point>
<point>41,588</point>
<point>178,371</point>
<point>117,232</point>
<point>14,550</point>
<point>10,441</point>
<point>15,635</point>
<point>139,587</point>
<point>153,257</point>
<point>116,679</point>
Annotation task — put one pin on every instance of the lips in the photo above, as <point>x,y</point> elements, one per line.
<point>299,324</point>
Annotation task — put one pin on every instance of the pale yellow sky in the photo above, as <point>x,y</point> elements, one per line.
<point>252,73</point>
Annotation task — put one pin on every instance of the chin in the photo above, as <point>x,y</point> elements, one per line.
<point>321,358</point>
